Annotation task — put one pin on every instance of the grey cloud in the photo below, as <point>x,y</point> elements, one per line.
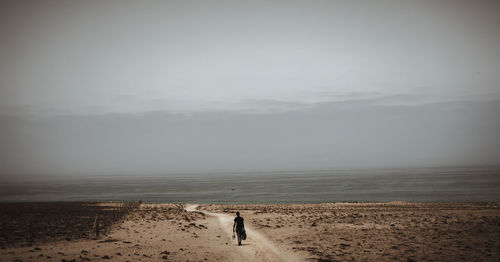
<point>326,136</point>
<point>77,55</point>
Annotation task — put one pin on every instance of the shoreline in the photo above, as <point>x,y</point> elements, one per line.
<point>252,203</point>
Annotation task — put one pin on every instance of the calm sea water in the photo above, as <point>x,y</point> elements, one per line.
<point>421,185</point>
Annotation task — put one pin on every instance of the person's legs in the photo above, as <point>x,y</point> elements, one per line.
<point>239,238</point>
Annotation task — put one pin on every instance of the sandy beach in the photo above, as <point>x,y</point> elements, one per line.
<point>137,131</point>
<point>395,231</point>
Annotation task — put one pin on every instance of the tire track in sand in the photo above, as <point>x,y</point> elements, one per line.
<point>257,247</point>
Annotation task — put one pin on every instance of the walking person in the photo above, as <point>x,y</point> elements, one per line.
<point>239,227</point>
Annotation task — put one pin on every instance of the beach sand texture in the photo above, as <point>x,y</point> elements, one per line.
<point>395,231</point>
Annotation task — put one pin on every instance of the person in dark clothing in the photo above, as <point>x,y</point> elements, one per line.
<point>238,227</point>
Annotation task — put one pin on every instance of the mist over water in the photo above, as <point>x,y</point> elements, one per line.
<point>417,185</point>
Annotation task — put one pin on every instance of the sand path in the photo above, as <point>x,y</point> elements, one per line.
<point>148,235</point>
<point>256,247</point>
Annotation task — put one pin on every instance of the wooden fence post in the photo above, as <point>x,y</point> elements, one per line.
<point>96,223</point>
<point>30,232</point>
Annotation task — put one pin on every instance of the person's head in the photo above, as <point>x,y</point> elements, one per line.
<point>237,214</point>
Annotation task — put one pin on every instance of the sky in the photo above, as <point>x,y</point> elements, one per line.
<point>131,87</point>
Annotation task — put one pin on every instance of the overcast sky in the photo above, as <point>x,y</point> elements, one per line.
<point>202,86</point>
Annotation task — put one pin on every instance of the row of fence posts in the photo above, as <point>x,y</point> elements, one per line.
<point>103,222</point>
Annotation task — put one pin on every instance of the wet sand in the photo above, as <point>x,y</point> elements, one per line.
<point>395,231</point>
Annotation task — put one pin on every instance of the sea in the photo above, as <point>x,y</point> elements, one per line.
<point>472,184</point>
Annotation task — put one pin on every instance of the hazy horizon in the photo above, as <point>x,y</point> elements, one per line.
<point>164,87</point>
<point>411,185</point>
